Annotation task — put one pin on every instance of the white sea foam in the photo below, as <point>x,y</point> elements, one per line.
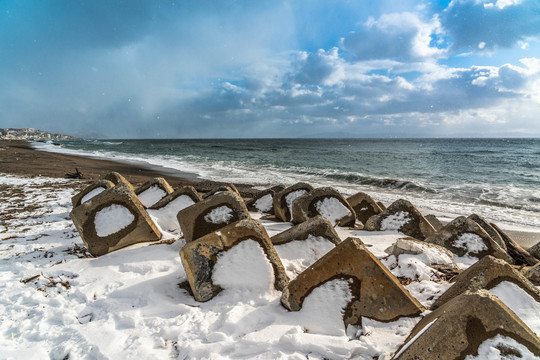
<point>444,201</point>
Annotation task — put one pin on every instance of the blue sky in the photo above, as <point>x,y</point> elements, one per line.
<point>308,68</point>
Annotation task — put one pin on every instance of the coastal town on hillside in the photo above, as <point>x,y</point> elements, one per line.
<point>30,134</point>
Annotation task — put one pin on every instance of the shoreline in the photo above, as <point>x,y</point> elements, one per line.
<point>18,157</point>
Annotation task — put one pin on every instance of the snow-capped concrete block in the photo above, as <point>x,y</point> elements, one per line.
<point>166,210</point>
<point>199,256</point>
<point>90,191</point>
<point>401,216</point>
<point>114,219</point>
<point>220,189</point>
<point>325,201</point>
<point>486,274</point>
<point>470,324</point>
<point>317,226</point>
<point>153,191</point>
<point>211,214</point>
<point>364,206</point>
<point>263,202</point>
<point>376,293</point>
<point>464,237</point>
<point>118,179</point>
<point>284,199</point>
<point>434,254</point>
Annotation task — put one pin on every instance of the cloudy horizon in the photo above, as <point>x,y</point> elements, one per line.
<point>217,69</point>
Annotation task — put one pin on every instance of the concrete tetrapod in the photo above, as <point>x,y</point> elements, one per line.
<point>377,293</point>
<point>199,256</point>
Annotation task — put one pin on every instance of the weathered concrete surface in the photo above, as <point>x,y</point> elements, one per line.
<point>317,226</point>
<point>158,182</point>
<point>457,328</point>
<point>199,257</point>
<point>514,250</point>
<point>417,226</point>
<point>450,236</point>
<point>118,179</point>
<point>141,229</point>
<point>281,207</point>
<point>310,205</point>
<point>364,206</point>
<point>434,221</point>
<point>484,224</point>
<point>532,273</point>
<point>535,250</point>
<point>377,294</point>
<point>195,220</point>
<point>486,274</point>
<point>220,189</point>
<point>104,184</point>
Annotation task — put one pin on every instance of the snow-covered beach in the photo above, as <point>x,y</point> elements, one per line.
<point>60,302</point>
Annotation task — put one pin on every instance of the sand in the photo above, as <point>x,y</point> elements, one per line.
<point>19,158</point>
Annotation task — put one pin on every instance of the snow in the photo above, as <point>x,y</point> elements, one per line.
<point>219,215</point>
<point>57,302</point>
<point>471,243</point>
<point>152,195</point>
<point>520,302</point>
<point>230,268</point>
<point>165,217</point>
<point>290,197</point>
<point>332,209</point>
<point>112,219</point>
<point>92,193</point>
<point>264,203</point>
<point>395,221</point>
<point>490,350</point>
<point>410,342</point>
<point>325,306</point>
<point>298,255</point>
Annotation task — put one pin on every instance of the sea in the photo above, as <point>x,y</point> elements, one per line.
<point>498,179</point>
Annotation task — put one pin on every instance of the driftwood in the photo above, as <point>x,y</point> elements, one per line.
<point>76,175</point>
<point>520,255</point>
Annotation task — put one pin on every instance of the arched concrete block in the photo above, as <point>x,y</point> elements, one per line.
<point>199,256</point>
<point>364,206</point>
<point>90,191</point>
<point>460,326</point>
<point>283,200</point>
<point>377,293</point>
<point>112,220</point>
<point>325,201</point>
<point>211,214</point>
<point>402,216</point>
<point>153,191</point>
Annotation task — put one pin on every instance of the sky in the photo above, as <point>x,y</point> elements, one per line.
<point>277,68</point>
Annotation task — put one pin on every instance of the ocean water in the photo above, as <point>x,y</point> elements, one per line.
<point>496,178</point>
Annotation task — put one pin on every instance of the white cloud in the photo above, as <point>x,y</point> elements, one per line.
<point>399,36</point>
